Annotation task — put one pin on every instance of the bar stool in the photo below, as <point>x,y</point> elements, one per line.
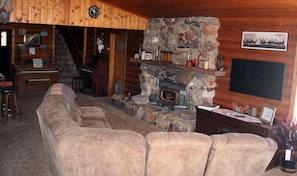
<point>10,102</point>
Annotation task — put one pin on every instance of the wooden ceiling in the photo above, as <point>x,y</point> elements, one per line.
<point>214,8</point>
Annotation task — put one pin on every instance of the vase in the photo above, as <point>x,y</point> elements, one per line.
<point>288,161</point>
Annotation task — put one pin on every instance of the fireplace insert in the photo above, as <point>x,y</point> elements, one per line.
<point>172,98</point>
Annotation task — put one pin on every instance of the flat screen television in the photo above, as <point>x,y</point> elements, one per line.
<point>257,78</point>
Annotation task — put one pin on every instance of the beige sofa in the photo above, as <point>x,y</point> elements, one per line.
<point>79,141</point>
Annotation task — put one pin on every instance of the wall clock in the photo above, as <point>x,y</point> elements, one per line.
<point>94,11</point>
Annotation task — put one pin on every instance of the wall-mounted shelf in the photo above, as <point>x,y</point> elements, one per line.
<point>182,67</point>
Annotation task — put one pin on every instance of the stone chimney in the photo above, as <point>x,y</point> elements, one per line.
<point>196,36</point>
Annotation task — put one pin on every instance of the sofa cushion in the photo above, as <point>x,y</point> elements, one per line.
<point>92,112</point>
<point>95,123</point>
<point>177,153</point>
<point>239,154</point>
<point>102,151</point>
<point>93,116</point>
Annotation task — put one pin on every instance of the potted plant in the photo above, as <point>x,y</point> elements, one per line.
<point>288,148</point>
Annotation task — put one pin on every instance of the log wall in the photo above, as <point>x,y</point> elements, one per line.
<point>132,84</point>
<point>20,56</point>
<point>74,13</point>
<point>230,47</point>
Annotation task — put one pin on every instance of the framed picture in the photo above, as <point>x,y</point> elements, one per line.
<point>32,51</point>
<point>43,47</point>
<point>22,47</point>
<point>43,33</point>
<point>32,39</point>
<point>37,63</point>
<point>267,115</point>
<point>276,41</point>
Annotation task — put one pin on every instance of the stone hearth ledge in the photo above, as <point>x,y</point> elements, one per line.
<point>183,121</point>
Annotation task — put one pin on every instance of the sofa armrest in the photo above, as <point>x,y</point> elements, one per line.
<point>93,151</point>
<point>92,112</point>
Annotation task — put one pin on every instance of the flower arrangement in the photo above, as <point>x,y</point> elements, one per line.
<point>289,134</point>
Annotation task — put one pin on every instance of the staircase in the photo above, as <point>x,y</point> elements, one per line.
<point>65,61</point>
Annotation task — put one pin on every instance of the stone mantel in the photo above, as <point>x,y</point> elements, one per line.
<point>182,67</point>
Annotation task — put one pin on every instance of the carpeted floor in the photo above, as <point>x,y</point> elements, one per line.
<point>21,147</point>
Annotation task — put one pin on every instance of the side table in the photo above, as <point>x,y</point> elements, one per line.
<point>209,122</point>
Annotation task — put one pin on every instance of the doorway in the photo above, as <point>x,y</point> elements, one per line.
<point>5,59</point>
<point>117,63</point>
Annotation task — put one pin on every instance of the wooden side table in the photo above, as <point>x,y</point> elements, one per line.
<point>209,122</point>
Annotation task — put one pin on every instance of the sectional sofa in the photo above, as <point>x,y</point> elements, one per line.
<point>80,141</point>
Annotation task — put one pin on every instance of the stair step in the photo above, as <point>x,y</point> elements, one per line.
<point>64,60</point>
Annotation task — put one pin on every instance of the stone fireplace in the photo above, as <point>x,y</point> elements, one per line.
<point>169,96</point>
<point>187,39</point>
<point>170,90</point>
<point>175,88</point>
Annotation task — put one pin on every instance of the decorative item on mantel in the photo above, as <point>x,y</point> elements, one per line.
<point>166,56</point>
<point>288,148</point>
<point>221,65</point>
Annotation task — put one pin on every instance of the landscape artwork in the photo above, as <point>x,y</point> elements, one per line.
<point>276,41</point>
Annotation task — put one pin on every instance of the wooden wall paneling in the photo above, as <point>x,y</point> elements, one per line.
<point>120,58</point>
<point>103,19</point>
<point>90,44</point>
<point>64,18</point>
<point>111,65</point>
<point>294,85</point>
<point>132,69</point>
<point>25,11</point>
<point>84,55</point>
<point>115,19</point>
<point>13,48</point>
<point>32,29</point>
<point>15,15</point>
<point>229,8</point>
<point>75,13</point>
<point>82,13</point>
<point>31,11</point>
<point>58,9</point>
<point>84,20</point>
<point>125,20</point>
<point>230,47</point>
<point>107,17</point>
<point>34,10</point>
<point>53,46</point>
<point>94,45</point>
<point>44,12</point>
<point>132,77</point>
<point>117,61</point>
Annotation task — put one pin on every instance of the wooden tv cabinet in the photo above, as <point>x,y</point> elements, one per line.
<point>209,122</point>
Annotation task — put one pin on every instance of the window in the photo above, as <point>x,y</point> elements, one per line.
<point>3,38</point>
